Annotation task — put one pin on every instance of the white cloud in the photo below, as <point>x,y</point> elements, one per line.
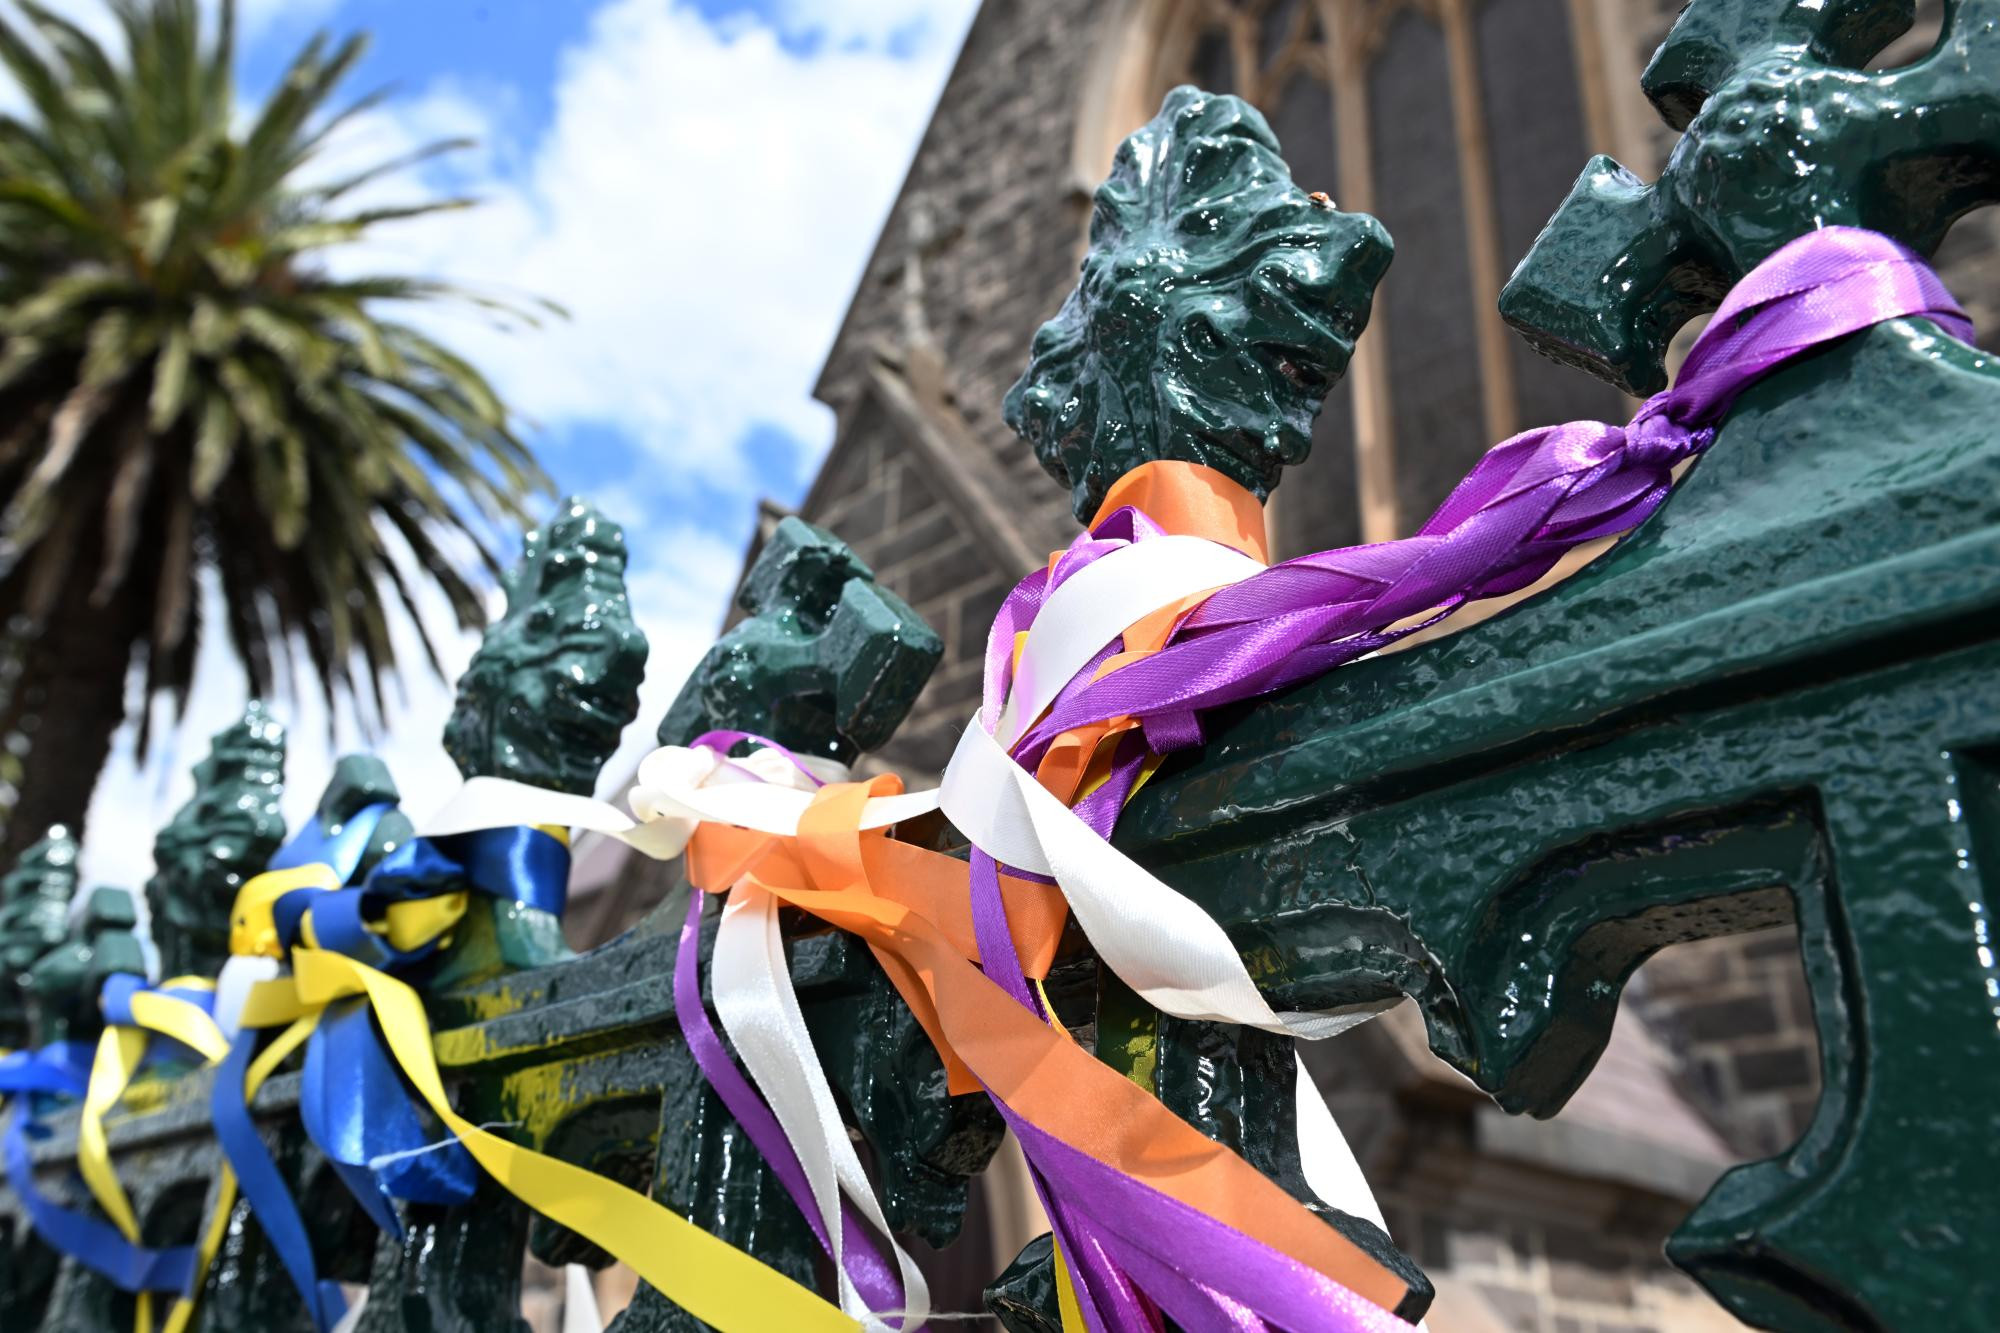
<point>703,202</point>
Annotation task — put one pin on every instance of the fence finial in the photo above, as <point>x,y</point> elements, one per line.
<point>1784,135</point>
<point>1218,306</point>
<point>219,839</point>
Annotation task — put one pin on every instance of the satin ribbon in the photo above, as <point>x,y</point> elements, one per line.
<point>871,1278</point>
<point>1528,502</point>
<point>61,1068</point>
<point>810,1152</point>
<point>247,1160</point>
<point>352,1102</point>
<point>913,907</point>
<point>1044,1082</point>
<point>711,1280</point>
<point>353,1014</point>
<point>134,1014</point>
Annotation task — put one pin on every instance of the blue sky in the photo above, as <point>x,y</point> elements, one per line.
<point>699,183</point>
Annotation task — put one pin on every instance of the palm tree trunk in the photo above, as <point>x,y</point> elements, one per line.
<point>71,700</point>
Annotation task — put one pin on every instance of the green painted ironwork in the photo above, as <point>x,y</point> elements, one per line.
<point>1784,133</point>
<point>1218,304</point>
<point>553,684</point>
<point>218,840</point>
<point>34,918</point>
<point>828,662</point>
<point>63,984</point>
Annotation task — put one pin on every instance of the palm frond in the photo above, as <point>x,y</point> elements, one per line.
<point>191,394</point>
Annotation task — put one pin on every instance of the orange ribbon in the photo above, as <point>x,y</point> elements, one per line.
<point>913,909</point>
<point>1188,500</point>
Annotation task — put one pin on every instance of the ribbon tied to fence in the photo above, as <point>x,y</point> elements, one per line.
<point>1097,666</point>
<point>345,1002</point>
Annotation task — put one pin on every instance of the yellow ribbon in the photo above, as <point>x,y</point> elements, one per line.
<point>1072,1312</point>
<point>711,1279</point>
<point>119,1051</point>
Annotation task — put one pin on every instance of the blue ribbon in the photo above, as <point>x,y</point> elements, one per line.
<point>59,1067</point>
<point>357,1110</point>
<point>64,1068</point>
<point>265,1189</point>
<point>519,863</point>
<point>352,1098</point>
<point>95,1244</point>
<point>341,847</point>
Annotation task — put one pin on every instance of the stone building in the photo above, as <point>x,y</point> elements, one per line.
<point>1461,124</point>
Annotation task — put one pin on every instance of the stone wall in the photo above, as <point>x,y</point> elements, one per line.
<point>1738,1017</point>
<point>985,239</point>
<point>880,498</point>
<point>981,247</point>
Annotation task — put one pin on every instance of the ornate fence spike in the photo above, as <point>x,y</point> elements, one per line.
<point>222,836</point>
<point>556,678</point>
<point>553,684</point>
<point>34,917</point>
<point>1219,304</point>
<point>544,700</point>
<point>1785,134</point>
<point>359,781</point>
<point>63,984</point>
<point>828,663</point>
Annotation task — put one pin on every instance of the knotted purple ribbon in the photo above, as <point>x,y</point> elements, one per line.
<point>1528,502</point>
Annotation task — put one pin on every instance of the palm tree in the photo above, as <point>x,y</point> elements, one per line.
<point>187,393</point>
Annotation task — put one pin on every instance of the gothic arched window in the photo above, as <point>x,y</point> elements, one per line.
<point>1459,123</point>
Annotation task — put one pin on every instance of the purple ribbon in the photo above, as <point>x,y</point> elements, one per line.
<point>1528,502</point>
<point>878,1286</point>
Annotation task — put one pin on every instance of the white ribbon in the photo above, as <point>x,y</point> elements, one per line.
<point>760,1011</point>
<point>678,789</point>
<point>1159,942</point>
<point>1098,603</point>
